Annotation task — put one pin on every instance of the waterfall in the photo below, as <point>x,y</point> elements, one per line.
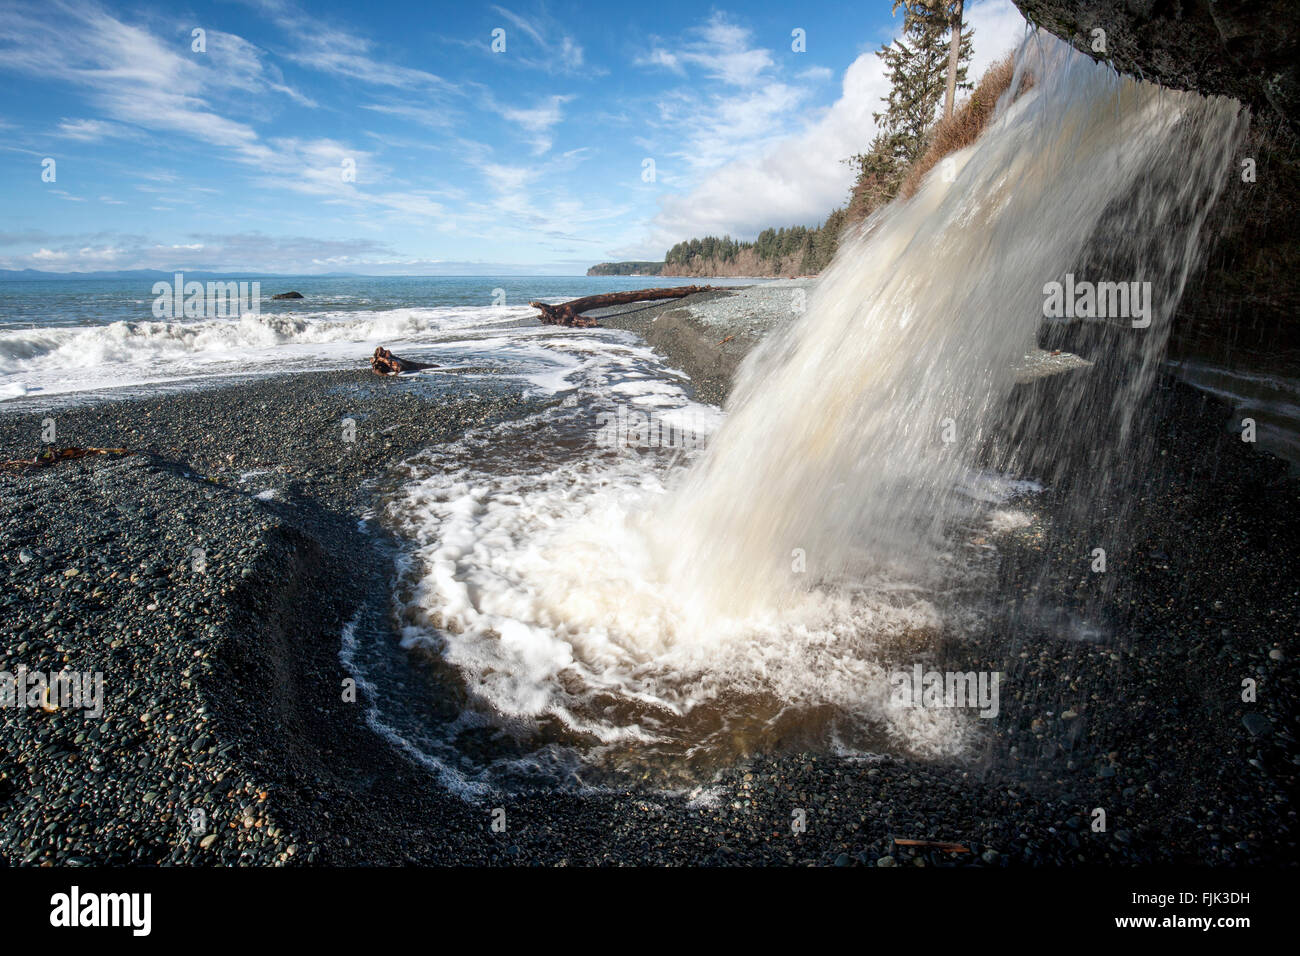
<point>601,600</point>
<point>850,437</point>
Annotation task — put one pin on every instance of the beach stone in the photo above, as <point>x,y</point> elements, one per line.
<point>1257,724</point>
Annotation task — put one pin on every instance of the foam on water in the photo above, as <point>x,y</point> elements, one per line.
<point>65,359</point>
<point>537,581</point>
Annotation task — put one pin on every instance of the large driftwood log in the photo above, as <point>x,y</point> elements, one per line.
<point>384,362</point>
<point>53,456</point>
<point>570,313</point>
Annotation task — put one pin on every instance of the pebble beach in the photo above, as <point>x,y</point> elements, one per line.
<point>210,570</point>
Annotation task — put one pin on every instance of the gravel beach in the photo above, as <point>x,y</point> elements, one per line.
<point>209,573</point>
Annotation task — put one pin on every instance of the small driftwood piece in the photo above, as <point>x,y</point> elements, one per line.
<point>384,362</point>
<point>53,456</point>
<point>570,313</point>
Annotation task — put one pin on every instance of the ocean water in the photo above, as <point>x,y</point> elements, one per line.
<point>60,337</point>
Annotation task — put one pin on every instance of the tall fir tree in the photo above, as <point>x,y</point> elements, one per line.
<point>917,66</point>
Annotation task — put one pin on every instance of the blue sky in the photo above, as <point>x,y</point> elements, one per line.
<point>390,138</point>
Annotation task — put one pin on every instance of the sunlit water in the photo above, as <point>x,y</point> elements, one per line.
<point>61,338</point>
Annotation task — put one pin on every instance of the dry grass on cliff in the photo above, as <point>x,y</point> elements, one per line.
<point>966,123</point>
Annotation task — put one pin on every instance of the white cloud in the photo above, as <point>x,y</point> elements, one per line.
<point>560,52</point>
<point>537,121</point>
<point>720,48</point>
<point>662,58</point>
<point>795,178</point>
<point>90,130</point>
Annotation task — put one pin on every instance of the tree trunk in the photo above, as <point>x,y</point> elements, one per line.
<point>954,59</point>
<point>570,313</point>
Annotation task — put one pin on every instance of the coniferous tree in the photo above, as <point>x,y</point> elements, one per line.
<point>917,66</point>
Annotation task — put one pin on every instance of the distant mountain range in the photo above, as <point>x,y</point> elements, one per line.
<point>19,275</point>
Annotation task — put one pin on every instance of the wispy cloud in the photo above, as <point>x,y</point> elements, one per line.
<point>720,48</point>
<point>426,116</point>
<point>536,121</point>
<point>141,82</point>
<point>251,251</point>
<point>330,49</point>
<point>350,57</point>
<point>548,47</point>
<point>91,130</point>
<point>734,101</point>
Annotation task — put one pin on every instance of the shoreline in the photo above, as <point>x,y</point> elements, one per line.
<point>223,685</point>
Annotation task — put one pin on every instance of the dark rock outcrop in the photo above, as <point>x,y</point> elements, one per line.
<point>288,295</point>
<point>1248,294</point>
<point>1246,49</point>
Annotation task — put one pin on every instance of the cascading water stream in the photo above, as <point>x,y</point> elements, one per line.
<point>849,436</point>
<point>612,605</point>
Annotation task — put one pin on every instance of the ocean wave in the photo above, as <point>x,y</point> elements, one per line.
<point>132,343</point>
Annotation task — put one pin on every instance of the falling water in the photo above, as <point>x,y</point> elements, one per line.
<point>850,438</point>
<point>608,604</point>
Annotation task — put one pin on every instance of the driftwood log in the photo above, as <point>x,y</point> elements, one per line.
<point>55,455</point>
<point>570,313</point>
<point>384,362</point>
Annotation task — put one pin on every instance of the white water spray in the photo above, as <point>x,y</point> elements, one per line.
<point>850,438</point>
